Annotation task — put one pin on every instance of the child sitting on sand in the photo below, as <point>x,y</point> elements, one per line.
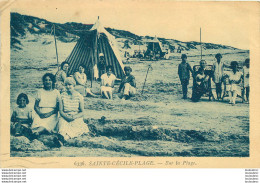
<point>21,119</point>
<point>128,85</point>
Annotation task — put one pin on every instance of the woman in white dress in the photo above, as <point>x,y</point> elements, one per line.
<point>46,107</point>
<point>107,83</point>
<point>71,110</point>
<point>81,82</point>
<point>235,78</point>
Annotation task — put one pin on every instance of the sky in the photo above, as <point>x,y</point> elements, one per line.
<point>228,23</point>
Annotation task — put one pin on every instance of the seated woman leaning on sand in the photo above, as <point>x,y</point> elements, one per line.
<point>46,107</point>
<point>81,82</point>
<point>71,110</point>
<point>128,85</point>
<point>61,75</point>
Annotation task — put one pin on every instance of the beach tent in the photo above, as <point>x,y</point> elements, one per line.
<point>88,48</point>
<point>155,46</point>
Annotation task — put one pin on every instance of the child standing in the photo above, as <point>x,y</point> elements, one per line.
<point>21,119</point>
<point>184,70</point>
<point>246,79</point>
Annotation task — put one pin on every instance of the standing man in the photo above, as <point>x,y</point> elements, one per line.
<point>184,70</point>
<point>218,69</point>
<point>101,64</point>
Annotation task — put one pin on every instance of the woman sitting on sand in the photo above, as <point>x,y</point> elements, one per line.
<point>128,84</point>
<point>107,83</point>
<point>61,75</point>
<point>71,110</point>
<point>46,106</point>
<point>81,82</point>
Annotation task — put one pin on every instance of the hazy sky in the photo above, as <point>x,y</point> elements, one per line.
<point>228,23</point>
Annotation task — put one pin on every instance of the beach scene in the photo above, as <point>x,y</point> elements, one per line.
<point>156,121</point>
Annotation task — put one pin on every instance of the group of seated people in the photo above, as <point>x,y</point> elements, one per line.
<point>224,81</point>
<point>59,105</point>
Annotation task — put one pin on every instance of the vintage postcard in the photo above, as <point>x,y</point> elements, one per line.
<point>129,84</point>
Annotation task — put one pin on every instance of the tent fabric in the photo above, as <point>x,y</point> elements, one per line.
<point>89,46</point>
<point>154,44</point>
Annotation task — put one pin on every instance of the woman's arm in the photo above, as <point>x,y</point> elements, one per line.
<point>113,84</point>
<point>13,117</point>
<point>192,73</point>
<point>81,109</point>
<point>37,108</point>
<point>240,79</point>
<point>43,115</point>
<point>131,80</point>
<point>102,82</point>
<point>63,114</point>
<point>63,76</point>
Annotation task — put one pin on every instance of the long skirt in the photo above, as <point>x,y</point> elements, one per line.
<point>49,123</point>
<point>198,91</point>
<point>72,129</point>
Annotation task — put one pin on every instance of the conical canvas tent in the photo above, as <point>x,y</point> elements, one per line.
<point>86,52</point>
<point>154,48</point>
<point>154,45</point>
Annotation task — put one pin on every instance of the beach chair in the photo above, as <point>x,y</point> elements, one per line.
<point>209,72</point>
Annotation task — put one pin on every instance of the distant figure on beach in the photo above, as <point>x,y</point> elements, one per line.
<point>235,78</point>
<point>71,109</point>
<point>107,83</point>
<point>21,119</point>
<point>81,82</point>
<point>246,80</point>
<point>201,82</point>
<point>46,107</point>
<point>218,71</point>
<point>184,71</point>
<point>128,84</point>
<point>61,75</point>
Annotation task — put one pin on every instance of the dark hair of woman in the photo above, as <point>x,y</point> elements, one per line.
<point>52,77</point>
<point>63,63</point>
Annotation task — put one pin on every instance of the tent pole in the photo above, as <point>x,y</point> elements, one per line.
<point>200,46</point>
<point>56,46</point>
<point>149,67</point>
